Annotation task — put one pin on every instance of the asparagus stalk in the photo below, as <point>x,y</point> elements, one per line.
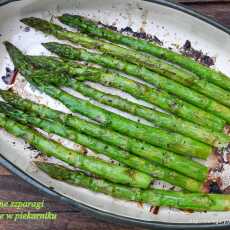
<point>156,197</point>
<point>170,141</point>
<point>115,153</point>
<point>92,28</point>
<point>171,71</point>
<point>155,136</point>
<point>138,90</point>
<point>115,173</point>
<point>162,120</point>
<point>161,82</point>
<point>171,160</point>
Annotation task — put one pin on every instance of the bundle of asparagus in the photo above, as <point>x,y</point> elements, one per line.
<point>89,26</point>
<point>156,197</point>
<point>140,91</point>
<point>170,160</point>
<point>197,113</point>
<point>133,161</point>
<point>155,96</point>
<point>161,82</point>
<point>157,65</point>
<point>115,173</point>
<point>205,87</point>
<point>155,136</point>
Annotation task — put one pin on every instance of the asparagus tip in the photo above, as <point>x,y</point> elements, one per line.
<point>6,43</point>
<point>12,49</point>
<point>41,164</point>
<point>47,45</point>
<point>29,21</point>
<point>53,170</point>
<point>9,45</point>
<point>45,166</point>
<point>65,17</point>
<point>42,25</point>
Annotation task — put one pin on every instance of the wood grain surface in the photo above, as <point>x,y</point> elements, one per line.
<point>69,218</point>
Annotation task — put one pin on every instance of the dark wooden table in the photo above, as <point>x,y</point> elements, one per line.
<point>13,188</point>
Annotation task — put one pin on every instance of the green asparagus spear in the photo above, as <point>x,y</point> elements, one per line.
<point>202,71</point>
<point>170,141</point>
<point>115,153</point>
<point>155,136</point>
<point>189,95</point>
<point>166,121</point>
<point>138,90</point>
<point>115,173</point>
<point>161,119</point>
<point>171,71</point>
<point>156,197</point>
<point>171,160</point>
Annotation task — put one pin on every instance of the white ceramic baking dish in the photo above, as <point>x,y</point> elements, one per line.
<point>173,25</point>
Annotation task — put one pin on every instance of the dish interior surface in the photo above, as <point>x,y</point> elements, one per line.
<point>171,26</point>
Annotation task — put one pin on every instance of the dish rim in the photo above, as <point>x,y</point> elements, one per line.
<point>106,216</point>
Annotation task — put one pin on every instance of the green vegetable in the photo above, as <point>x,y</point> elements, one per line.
<point>161,119</point>
<point>161,82</point>
<point>202,71</point>
<point>167,140</point>
<point>171,71</point>
<point>171,160</point>
<point>124,157</point>
<point>115,173</point>
<point>138,90</point>
<point>170,141</point>
<point>156,197</point>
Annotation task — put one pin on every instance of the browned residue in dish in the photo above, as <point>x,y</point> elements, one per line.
<point>10,76</point>
<point>226,190</point>
<point>129,31</point>
<point>189,211</point>
<point>198,55</point>
<point>217,160</point>
<point>154,209</point>
<point>227,129</point>
<point>83,150</point>
<point>142,35</point>
<point>140,204</point>
<point>213,185</point>
<point>217,181</point>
